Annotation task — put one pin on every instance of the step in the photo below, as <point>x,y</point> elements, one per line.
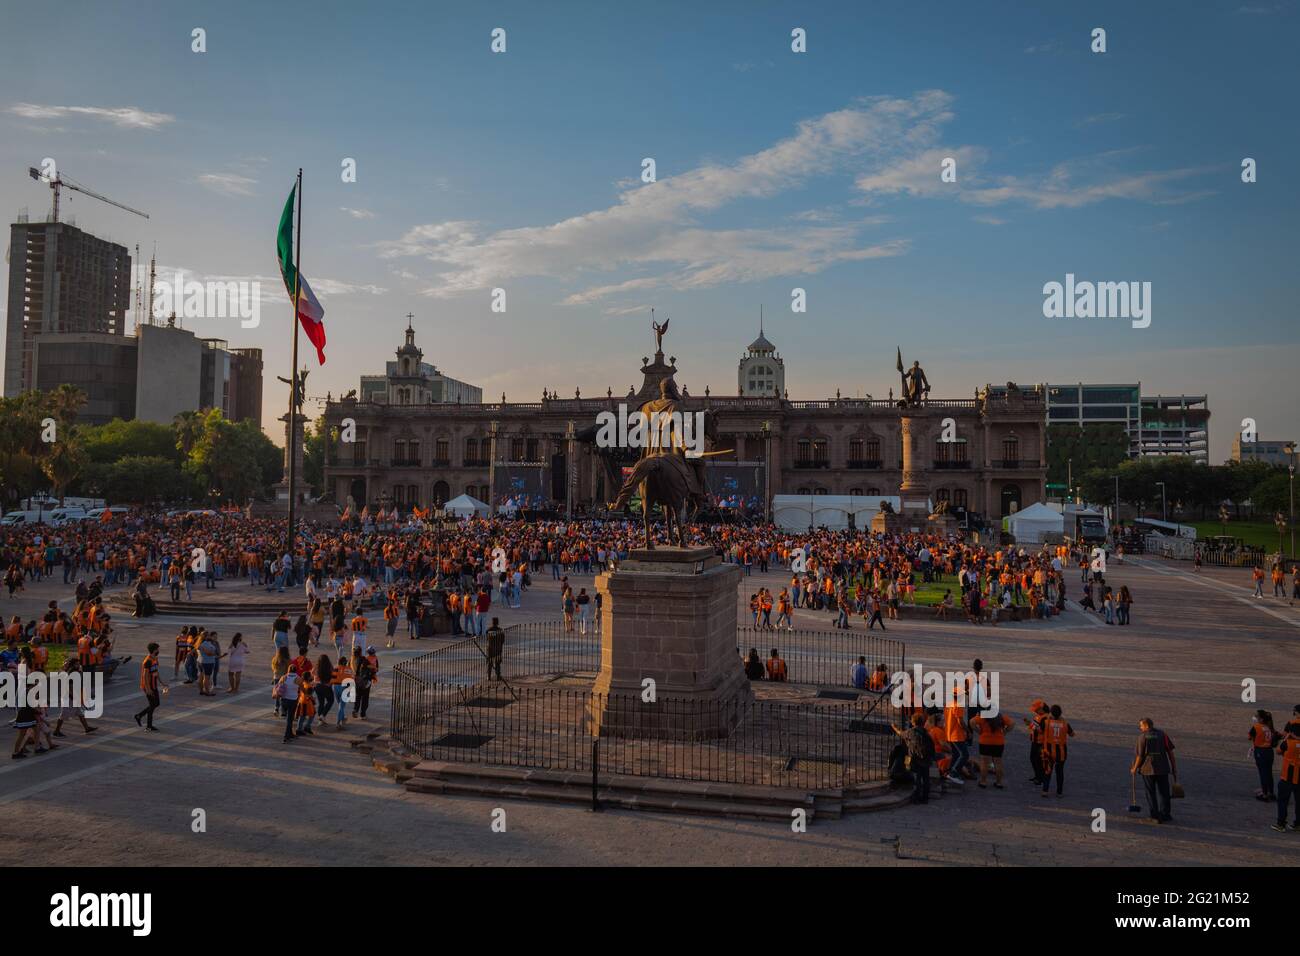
<point>612,798</point>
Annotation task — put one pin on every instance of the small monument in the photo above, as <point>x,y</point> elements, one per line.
<point>668,614</point>
<point>914,513</point>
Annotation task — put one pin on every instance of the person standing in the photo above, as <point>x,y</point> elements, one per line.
<point>1262,737</point>
<point>235,669</point>
<point>288,697</point>
<point>1056,733</point>
<point>954,725</point>
<point>1288,784</point>
<point>325,686</point>
<point>920,752</point>
<point>496,646</point>
<point>152,686</point>
<point>992,742</point>
<point>1038,714</point>
<point>1154,759</point>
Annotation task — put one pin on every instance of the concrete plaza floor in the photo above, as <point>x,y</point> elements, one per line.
<point>122,796</point>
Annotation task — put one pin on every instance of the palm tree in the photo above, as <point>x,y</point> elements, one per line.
<point>189,429</point>
<point>65,402</point>
<point>63,464</point>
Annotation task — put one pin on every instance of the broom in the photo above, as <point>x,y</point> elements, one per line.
<point>1133,806</point>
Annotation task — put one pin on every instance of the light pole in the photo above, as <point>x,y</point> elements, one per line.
<point>1117,504</point>
<point>1069,478</point>
<point>1164,509</point>
<point>1290,450</point>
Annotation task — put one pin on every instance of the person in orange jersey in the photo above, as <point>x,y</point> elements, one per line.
<point>1056,733</point>
<point>992,741</point>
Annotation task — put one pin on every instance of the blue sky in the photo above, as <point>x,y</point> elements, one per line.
<point>818,170</point>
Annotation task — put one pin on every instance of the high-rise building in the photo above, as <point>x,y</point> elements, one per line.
<point>152,375</point>
<point>60,280</point>
<point>1156,425</point>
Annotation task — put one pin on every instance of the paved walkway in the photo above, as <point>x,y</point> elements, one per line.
<point>123,796</point>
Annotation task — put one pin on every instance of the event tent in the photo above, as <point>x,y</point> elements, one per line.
<point>1030,525</point>
<point>465,506</point>
<point>799,512</point>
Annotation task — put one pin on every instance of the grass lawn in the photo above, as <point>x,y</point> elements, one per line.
<point>1261,534</point>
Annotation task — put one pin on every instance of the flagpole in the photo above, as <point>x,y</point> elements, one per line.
<point>293,383</point>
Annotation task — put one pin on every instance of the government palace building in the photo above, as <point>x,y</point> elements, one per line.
<point>421,439</point>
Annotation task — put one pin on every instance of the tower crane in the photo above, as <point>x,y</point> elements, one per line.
<point>57,182</point>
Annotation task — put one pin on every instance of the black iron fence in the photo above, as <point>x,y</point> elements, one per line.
<point>446,707</point>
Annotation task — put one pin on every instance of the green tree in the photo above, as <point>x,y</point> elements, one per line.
<point>64,463</point>
<point>189,428</point>
<point>117,439</point>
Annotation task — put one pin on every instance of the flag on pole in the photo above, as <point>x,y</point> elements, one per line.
<point>310,313</point>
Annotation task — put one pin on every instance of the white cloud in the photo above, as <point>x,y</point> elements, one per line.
<point>231,184</point>
<point>655,227</point>
<point>127,117</point>
<point>357,213</point>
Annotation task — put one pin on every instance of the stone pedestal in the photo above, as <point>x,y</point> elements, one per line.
<point>669,615</point>
<point>293,444</point>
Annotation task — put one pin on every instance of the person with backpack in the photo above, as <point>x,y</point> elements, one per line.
<point>920,754</point>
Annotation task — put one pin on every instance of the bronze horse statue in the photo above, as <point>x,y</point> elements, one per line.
<point>671,481</point>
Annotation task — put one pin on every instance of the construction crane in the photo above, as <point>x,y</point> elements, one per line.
<point>57,182</point>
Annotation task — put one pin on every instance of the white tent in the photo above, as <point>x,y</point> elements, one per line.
<point>465,506</point>
<point>1031,524</point>
<point>798,512</point>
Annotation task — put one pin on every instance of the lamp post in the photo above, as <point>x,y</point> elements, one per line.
<point>1290,450</point>
<point>1164,508</point>
<point>1279,522</point>
<point>1069,478</point>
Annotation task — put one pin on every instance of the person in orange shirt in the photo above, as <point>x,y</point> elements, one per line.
<point>943,754</point>
<point>992,741</point>
<point>776,669</point>
<point>954,726</point>
<point>1056,734</point>
<point>358,628</point>
<point>391,612</point>
<point>152,686</point>
<point>1288,784</point>
<point>1038,712</point>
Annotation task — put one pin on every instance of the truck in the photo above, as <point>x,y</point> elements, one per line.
<point>1085,525</point>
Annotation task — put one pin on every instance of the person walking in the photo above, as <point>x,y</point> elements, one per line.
<point>365,676</point>
<point>343,681</point>
<point>152,686</point>
<point>1154,759</point>
<point>279,666</point>
<point>1056,734</point>
<point>955,729</point>
<point>325,686</point>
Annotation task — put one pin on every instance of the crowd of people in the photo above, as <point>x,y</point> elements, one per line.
<point>463,569</point>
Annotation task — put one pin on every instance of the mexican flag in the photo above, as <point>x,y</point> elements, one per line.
<point>310,313</point>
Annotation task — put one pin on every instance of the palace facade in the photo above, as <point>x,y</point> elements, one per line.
<point>986,454</point>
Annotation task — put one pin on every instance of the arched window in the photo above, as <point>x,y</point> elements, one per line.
<point>531,450</point>
<point>397,492</point>
<point>873,492</point>
<point>855,491</point>
<point>442,451</point>
<point>399,451</point>
<point>873,449</point>
<point>413,495</point>
<point>471,450</point>
<point>441,493</point>
<point>516,449</point>
<point>803,451</point>
<point>959,498</point>
<point>821,450</point>
<point>413,451</point>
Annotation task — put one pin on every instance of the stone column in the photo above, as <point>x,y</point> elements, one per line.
<point>914,491</point>
<point>493,428</point>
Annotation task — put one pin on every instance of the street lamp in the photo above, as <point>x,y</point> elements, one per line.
<point>1164,509</point>
<point>1290,450</point>
<point>1280,523</point>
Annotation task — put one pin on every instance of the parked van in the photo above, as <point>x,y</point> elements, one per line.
<point>24,518</point>
<point>62,516</point>
<point>97,514</point>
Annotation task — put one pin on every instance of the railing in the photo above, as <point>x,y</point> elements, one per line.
<point>440,463</point>
<point>1010,463</point>
<point>446,708</point>
<point>812,463</point>
<point>951,465</point>
<point>476,463</point>
<point>863,463</point>
<point>406,463</point>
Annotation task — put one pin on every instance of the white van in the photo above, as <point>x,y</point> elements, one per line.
<point>59,517</point>
<point>14,518</point>
<point>97,514</point>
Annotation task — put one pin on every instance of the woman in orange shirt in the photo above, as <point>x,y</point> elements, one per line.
<point>992,741</point>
